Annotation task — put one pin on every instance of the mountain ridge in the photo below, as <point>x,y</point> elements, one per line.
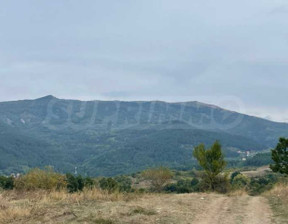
<point>50,97</point>
<point>127,135</point>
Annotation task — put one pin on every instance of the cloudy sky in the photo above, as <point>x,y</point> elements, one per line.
<point>226,52</point>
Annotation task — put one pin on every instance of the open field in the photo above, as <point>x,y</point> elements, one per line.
<point>98,207</point>
<point>261,171</point>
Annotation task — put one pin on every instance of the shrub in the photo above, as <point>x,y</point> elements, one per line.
<point>74,184</point>
<point>89,183</point>
<point>158,177</point>
<point>183,186</point>
<point>221,184</point>
<point>109,184</point>
<point>6,183</point>
<point>171,188</point>
<point>40,179</point>
<point>233,175</point>
<point>240,181</point>
<point>124,183</point>
<point>259,185</point>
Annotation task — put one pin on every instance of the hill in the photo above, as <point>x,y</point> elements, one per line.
<point>115,137</point>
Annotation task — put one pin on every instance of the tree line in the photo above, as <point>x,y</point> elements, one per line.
<point>211,178</point>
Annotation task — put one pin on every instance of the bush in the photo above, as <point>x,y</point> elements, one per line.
<point>6,183</point>
<point>183,186</point>
<point>74,184</point>
<point>109,184</point>
<point>259,185</point>
<point>89,183</point>
<point>40,179</point>
<point>158,177</point>
<point>124,183</point>
<point>221,184</point>
<point>233,175</point>
<point>240,182</point>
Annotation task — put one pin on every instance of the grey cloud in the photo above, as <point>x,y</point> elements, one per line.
<point>167,50</point>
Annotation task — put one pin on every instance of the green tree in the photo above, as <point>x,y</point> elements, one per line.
<point>280,157</point>
<point>212,161</point>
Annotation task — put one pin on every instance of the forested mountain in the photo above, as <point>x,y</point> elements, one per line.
<point>114,137</point>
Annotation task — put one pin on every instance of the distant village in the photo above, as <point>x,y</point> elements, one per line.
<point>244,154</point>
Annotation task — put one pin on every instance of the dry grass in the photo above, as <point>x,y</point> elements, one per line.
<point>278,198</point>
<point>9,212</point>
<point>20,206</point>
<point>96,206</point>
<point>240,192</point>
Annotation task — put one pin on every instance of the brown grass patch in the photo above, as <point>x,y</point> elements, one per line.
<point>240,192</point>
<point>278,198</point>
<point>19,206</point>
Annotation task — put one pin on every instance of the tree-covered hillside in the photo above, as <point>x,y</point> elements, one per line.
<point>113,137</point>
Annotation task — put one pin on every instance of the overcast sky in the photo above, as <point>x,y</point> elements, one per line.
<point>226,52</point>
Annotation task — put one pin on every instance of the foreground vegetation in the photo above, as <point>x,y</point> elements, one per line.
<point>155,195</point>
<point>44,196</point>
<point>100,206</point>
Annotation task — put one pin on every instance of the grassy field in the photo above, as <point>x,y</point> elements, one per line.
<point>27,203</point>
<point>95,206</point>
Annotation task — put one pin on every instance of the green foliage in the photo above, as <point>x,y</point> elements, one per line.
<point>212,161</point>
<point>40,179</point>
<point>222,184</point>
<point>6,183</point>
<point>155,139</point>
<point>124,183</point>
<point>240,181</point>
<point>260,159</point>
<point>158,177</point>
<point>74,183</point>
<point>89,182</point>
<point>259,185</point>
<point>183,186</point>
<point>123,151</point>
<point>233,175</point>
<point>280,157</point>
<point>109,184</point>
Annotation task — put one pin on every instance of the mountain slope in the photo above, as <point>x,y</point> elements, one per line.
<point>113,137</point>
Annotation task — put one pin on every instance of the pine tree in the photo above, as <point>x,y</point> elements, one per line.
<point>211,160</point>
<point>280,157</point>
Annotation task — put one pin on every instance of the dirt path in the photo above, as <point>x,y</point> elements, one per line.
<point>239,210</point>
<point>195,208</point>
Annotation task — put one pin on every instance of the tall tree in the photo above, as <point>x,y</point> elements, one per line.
<point>280,157</point>
<point>211,160</point>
